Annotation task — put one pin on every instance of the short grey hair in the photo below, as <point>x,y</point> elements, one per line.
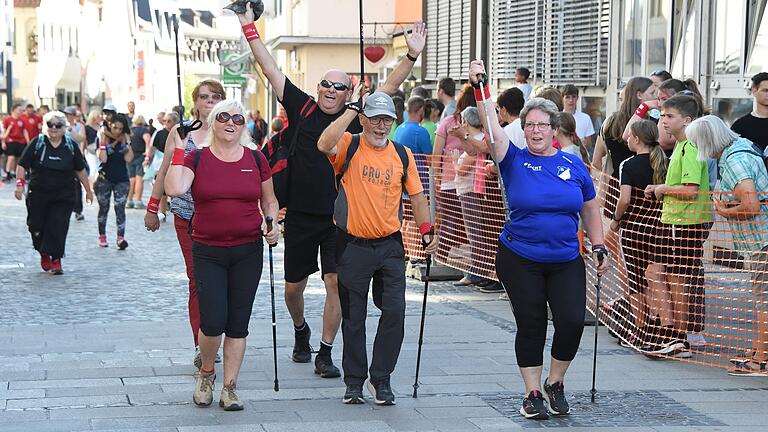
<point>544,105</point>
<point>50,116</point>
<point>711,136</point>
<point>472,116</point>
<point>226,105</point>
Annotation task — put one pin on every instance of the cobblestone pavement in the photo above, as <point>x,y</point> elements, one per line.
<point>107,347</point>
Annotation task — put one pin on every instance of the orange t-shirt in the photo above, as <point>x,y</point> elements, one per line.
<point>370,194</point>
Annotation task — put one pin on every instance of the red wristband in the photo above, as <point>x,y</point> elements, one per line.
<point>425,228</point>
<point>479,93</point>
<point>153,206</point>
<point>20,183</point>
<point>642,110</point>
<point>250,32</point>
<point>178,156</point>
<point>102,146</point>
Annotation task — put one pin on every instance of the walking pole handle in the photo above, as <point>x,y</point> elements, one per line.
<point>269,221</point>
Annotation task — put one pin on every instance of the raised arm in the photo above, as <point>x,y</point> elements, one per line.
<point>415,40</point>
<point>500,139</point>
<point>268,65</point>
<point>333,133</point>
<point>179,178</point>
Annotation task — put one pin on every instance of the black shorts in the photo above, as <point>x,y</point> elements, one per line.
<point>682,248</point>
<point>14,149</point>
<point>304,235</point>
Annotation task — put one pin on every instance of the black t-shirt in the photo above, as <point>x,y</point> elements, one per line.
<point>638,173</point>
<point>115,169</point>
<point>137,139</point>
<point>260,131</point>
<point>312,185</point>
<point>90,134</point>
<point>160,137</point>
<point>619,152</point>
<point>753,128</point>
<point>52,169</point>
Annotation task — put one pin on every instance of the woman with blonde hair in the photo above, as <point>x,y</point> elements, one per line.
<point>52,159</point>
<point>568,138</point>
<point>232,188</point>
<point>205,96</point>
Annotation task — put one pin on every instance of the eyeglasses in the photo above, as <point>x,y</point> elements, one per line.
<point>539,126</point>
<point>375,121</point>
<point>224,117</point>
<point>206,96</point>
<point>56,125</point>
<point>336,85</point>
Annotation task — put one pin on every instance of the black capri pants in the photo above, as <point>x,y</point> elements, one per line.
<point>531,286</point>
<point>226,279</point>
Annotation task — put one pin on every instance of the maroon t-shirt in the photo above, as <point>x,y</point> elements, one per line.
<point>227,196</point>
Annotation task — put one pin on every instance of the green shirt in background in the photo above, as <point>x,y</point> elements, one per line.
<point>391,136</point>
<point>431,127</point>
<point>686,169</point>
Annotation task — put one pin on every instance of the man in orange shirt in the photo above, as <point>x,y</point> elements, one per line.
<point>373,173</point>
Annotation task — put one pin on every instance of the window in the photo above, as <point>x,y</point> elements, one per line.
<point>758,60</point>
<point>449,28</point>
<point>731,109</point>
<point>634,12</point>
<point>684,37</point>
<point>729,34</point>
<point>659,20</point>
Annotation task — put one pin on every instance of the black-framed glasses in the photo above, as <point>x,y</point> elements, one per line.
<point>336,85</point>
<point>213,96</point>
<point>224,117</point>
<point>53,125</point>
<point>375,121</point>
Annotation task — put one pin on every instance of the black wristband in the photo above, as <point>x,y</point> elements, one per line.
<point>356,106</point>
<point>411,58</point>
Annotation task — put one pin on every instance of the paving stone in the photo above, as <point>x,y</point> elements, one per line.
<point>100,391</point>
<point>134,423</point>
<point>352,426</point>
<point>68,402</point>
<point>95,382</point>
<point>106,372</point>
<point>45,426</point>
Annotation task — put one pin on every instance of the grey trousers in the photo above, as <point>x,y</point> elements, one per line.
<point>360,262</point>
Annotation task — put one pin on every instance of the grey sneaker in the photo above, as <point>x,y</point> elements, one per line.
<point>229,399</point>
<point>203,395</point>
<point>129,205</point>
<point>139,205</point>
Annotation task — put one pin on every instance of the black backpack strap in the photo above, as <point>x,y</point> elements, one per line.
<point>403,158</point>
<point>199,152</point>
<point>306,111</point>
<point>353,146</point>
<point>255,154</point>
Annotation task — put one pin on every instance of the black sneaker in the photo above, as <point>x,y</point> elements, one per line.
<point>555,395</point>
<point>325,368</point>
<point>302,352</point>
<point>492,288</point>
<point>353,395</point>
<point>534,406</point>
<point>381,392</point>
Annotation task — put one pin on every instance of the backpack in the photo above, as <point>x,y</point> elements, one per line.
<point>355,144</point>
<point>40,146</point>
<point>197,161</point>
<point>277,153</point>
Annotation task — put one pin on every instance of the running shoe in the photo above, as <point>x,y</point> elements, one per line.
<point>696,340</point>
<point>139,205</point>
<point>353,395</point>
<point>129,205</point>
<point>492,288</point>
<point>325,368</point>
<point>45,261</point>
<point>229,400</point>
<point>204,384</point>
<point>103,241</point>
<point>381,392</point>
<point>302,352</point>
<point>79,217</point>
<point>750,368</point>
<point>534,406</point>
<point>56,267</point>
<point>555,395</point>
<point>121,243</point>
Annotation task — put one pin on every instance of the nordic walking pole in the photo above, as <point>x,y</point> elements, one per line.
<point>272,292</point>
<point>600,258</point>
<point>178,68</point>
<point>362,57</point>
<point>423,317</point>
<point>482,79</point>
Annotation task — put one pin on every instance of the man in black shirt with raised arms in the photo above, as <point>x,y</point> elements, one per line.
<point>754,126</point>
<point>312,190</point>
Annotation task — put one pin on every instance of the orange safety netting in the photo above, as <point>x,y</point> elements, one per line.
<point>706,279</point>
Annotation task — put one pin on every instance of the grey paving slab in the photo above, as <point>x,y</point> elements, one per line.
<point>68,402</point>
<point>45,426</point>
<point>99,391</point>
<point>351,426</point>
<point>152,422</point>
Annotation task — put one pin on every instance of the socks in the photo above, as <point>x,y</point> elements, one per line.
<point>301,329</point>
<point>325,349</point>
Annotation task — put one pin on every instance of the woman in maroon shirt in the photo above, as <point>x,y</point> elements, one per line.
<point>232,187</point>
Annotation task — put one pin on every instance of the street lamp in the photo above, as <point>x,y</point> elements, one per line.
<point>412,80</point>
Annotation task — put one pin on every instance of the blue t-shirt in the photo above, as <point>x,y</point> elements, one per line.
<point>413,136</point>
<point>545,195</point>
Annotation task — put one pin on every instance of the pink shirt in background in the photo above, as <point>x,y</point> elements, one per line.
<point>451,143</point>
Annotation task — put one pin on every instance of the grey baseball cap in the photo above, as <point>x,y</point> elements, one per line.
<point>110,107</point>
<point>379,103</point>
<point>70,110</point>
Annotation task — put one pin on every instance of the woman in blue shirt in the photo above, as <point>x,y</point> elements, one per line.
<point>538,259</point>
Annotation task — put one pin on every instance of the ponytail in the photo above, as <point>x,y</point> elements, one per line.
<point>659,163</point>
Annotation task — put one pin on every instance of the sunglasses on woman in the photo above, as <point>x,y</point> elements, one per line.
<point>53,125</point>
<point>336,85</point>
<point>224,117</point>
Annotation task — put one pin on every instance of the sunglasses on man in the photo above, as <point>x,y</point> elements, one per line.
<point>224,117</point>
<point>336,85</point>
<point>53,125</point>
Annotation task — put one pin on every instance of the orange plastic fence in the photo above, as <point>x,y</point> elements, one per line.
<point>661,278</point>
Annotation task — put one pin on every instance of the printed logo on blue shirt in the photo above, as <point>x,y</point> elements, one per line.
<point>564,172</point>
<point>528,165</point>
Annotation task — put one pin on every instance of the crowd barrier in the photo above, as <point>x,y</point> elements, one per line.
<point>709,290</point>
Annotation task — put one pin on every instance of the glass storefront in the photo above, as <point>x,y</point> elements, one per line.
<point>729,36</point>
<point>659,19</point>
<point>633,37</point>
<point>758,61</point>
<point>731,109</point>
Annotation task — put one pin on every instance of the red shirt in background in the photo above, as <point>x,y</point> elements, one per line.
<point>33,123</point>
<point>16,127</point>
<point>227,196</point>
